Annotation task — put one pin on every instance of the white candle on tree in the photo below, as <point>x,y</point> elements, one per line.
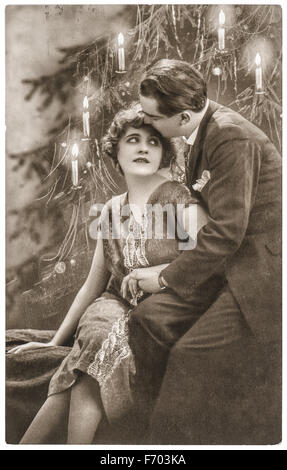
<point>258,73</point>
<point>75,170</point>
<point>221,31</point>
<point>121,53</point>
<point>86,117</point>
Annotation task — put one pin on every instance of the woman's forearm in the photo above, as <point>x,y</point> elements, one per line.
<point>82,300</point>
<point>158,268</point>
<point>93,287</point>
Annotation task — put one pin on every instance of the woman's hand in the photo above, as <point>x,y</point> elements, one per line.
<point>145,279</point>
<point>129,284</point>
<point>29,346</point>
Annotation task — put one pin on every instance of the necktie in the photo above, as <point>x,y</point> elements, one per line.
<point>187,156</point>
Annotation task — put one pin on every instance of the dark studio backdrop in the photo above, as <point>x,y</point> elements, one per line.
<point>69,69</point>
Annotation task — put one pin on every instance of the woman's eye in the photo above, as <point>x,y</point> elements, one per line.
<point>154,141</point>
<point>132,140</point>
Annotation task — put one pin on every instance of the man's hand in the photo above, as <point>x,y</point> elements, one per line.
<point>145,279</point>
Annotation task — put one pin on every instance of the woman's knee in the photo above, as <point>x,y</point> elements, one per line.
<point>60,397</point>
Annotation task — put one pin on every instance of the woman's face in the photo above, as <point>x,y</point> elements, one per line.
<point>139,151</point>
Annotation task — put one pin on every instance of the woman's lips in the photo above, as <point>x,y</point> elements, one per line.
<point>141,160</point>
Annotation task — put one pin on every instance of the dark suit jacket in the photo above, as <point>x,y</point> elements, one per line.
<point>243,235</point>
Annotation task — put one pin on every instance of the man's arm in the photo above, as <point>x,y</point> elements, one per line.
<point>234,169</point>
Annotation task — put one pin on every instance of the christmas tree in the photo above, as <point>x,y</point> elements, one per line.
<point>238,50</point>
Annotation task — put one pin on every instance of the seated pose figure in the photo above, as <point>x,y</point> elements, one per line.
<point>95,377</point>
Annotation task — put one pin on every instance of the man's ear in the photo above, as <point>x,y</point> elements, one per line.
<point>185,118</point>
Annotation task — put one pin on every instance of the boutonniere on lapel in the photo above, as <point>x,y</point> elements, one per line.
<point>201,182</point>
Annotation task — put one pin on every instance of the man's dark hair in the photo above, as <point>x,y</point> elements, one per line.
<point>176,85</point>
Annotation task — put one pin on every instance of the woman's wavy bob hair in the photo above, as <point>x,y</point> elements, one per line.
<point>134,117</point>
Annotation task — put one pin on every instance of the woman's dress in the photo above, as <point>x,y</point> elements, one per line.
<point>101,346</point>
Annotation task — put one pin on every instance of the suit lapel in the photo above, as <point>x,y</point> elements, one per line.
<point>196,149</point>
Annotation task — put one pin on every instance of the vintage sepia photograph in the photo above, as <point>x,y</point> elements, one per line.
<point>143,225</point>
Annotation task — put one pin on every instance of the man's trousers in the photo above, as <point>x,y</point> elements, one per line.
<point>202,377</point>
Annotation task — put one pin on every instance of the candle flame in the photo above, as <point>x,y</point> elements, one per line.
<point>258,59</point>
<point>86,102</point>
<point>216,71</point>
<point>221,18</point>
<point>75,151</point>
<point>120,39</point>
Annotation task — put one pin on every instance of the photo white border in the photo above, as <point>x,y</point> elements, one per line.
<point>110,448</point>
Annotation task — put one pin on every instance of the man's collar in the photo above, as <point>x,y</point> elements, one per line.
<point>192,137</point>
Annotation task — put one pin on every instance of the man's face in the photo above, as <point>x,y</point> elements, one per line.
<point>167,126</point>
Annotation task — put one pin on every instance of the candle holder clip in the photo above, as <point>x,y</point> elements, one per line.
<point>76,188</point>
<point>222,52</point>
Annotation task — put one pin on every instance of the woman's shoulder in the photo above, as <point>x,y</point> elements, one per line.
<point>171,191</point>
<point>171,185</point>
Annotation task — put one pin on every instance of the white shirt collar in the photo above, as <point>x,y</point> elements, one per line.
<point>192,137</point>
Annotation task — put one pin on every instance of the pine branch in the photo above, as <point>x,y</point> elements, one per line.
<point>158,32</point>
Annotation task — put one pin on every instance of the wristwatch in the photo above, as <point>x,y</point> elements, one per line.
<point>162,282</point>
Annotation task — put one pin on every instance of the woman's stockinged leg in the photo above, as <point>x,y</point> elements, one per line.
<point>49,417</point>
<point>85,411</point>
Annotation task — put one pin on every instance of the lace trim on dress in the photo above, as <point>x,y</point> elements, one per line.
<point>134,249</point>
<point>112,352</point>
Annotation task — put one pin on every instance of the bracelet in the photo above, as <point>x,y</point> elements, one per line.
<point>161,282</point>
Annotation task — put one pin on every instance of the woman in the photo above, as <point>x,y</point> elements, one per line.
<point>95,377</point>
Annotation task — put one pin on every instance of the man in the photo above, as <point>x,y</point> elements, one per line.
<point>219,317</point>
